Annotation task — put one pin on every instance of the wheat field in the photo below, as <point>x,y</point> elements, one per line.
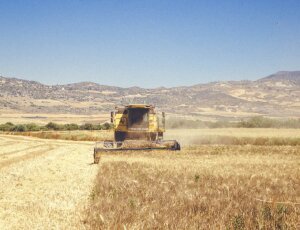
<point>53,184</point>
<point>204,187</point>
<point>224,136</point>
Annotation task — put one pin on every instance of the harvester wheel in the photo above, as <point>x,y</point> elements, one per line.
<point>177,146</point>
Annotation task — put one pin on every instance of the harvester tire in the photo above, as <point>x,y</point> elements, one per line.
<point>177,146</point>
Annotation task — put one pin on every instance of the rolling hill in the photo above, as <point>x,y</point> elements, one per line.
<point>277,95</point>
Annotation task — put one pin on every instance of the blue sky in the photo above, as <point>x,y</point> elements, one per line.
<point>147,43</point>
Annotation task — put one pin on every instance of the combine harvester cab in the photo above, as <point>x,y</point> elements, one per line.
<point>136,127</point>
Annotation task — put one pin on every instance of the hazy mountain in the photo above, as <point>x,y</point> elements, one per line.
<point>276,95</point>
<point>292,76</point>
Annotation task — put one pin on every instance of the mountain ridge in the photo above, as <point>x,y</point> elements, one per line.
<point>277,95</point>
<point>280,75</point>
<point>293,76</point>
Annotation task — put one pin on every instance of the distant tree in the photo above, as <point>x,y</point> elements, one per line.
<point>259,122</point>
<point>86,126</point>
<point>7,127</point>
<point>106,126</point>
<point>53,126</point>
<point>19,128</point>
<point>97,127</point>
<point>71,127</point>
<point>32,127</point>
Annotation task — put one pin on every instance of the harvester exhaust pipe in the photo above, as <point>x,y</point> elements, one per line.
<point>112,117</point>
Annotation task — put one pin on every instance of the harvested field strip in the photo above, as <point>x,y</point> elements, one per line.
<point>27,156</point>
<point>47,189</point>
<point>225,136</point>
<point>7,143</point>
<point>21,150</point>
<point>15,147</point>
<point>68,135</point>
<point>34,140</point>
<point>6,137</point>
<point>2,139</point>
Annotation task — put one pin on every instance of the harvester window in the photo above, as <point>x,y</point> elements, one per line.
<point>138,118</point>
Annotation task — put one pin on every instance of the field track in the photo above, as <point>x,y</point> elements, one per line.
<point>45,184</point>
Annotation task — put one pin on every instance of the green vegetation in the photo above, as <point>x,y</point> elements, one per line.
<point>263,122</point>
<point>31,127</point>
<point>173,123</point>
<point>254,122</point>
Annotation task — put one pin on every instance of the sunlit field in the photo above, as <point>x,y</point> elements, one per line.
<point>236,136</point>
<point>203,187</point>
<point>149,115</point>
<point>224,136</point>
<point>45,184</point>
<point>76,135</point>
<point>42,119</point>
<point>221,179</point>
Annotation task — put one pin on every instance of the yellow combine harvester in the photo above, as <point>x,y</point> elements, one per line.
<point>136,127</point>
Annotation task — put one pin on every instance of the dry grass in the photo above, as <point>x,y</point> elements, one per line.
<point>227,140</point>
<point>42,119</point>
<point>236,136</point>
<point>24,157</point>
<point>51,184</point>
<point>78,135</point>
<point>224,136</point>
<point>204,187</point>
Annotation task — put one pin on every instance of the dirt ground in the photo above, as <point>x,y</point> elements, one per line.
<point>45,184</point>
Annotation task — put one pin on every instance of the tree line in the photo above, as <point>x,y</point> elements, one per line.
<point>254,122</point>
<point>10,127</point>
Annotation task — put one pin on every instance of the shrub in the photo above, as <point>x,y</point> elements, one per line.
<point>7,127</point>
<point>97,127</point>
<point>263,122</point>
<point>53,126</point>
<point>32,127</point>
<point>71,127</point>
<point>89,126</point>
<point>86,126</point>
<point>19,128</point>
<point>9,124</point>
<point>107,126</point>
